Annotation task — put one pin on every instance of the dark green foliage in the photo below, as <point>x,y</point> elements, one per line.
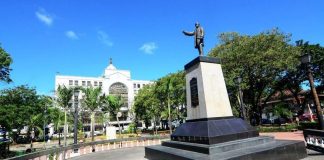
<point>21,106</point>
<point>114,103</point>
<point>64,95</point>
<point>17,105</point>
<point>308,125</point>
<point>282,110</point>
<point>5,62</point>
<point>151,102</point>
<point>282,128</point>
<point>261,60</point>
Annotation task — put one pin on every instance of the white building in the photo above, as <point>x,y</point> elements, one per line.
<point>113,81</point>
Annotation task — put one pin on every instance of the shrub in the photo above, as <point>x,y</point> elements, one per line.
<point>308,125</point>
<point>283,128</point>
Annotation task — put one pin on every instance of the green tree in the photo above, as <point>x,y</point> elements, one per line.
<point>171,89</point>
<point>292,80</point>
<point>114,103</point>
<point>21,106</point>
<point>147,107</point>
<point>33,125</point>
<point>92,101</point>
<point>260,60</point>
<point>56,116</point>
<point>282,110</point>
<point>151,102</point>
<point>5,62</point>
<point>16,106</point>
<point>64,95</point>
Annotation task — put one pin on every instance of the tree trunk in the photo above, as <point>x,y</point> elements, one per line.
<point>118,126</point>
<point>31,143</point>
<point>155,126</point>
<point>92,125</point>
<point>92,129</point>
<point>65,128</point>
<point>59,131</point>
<point>31,139</point>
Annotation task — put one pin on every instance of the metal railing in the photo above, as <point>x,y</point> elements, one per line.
<point>85,148</point>
<point>314,139</point>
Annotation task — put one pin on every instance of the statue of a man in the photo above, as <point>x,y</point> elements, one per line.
<point>199,37</point>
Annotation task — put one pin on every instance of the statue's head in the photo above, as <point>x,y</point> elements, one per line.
<point>197,24</point>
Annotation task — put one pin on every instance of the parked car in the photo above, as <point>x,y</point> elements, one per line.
<point>266,121</point>
<point>2,138</point>
<point>307,117</point>
<point>280,121</point>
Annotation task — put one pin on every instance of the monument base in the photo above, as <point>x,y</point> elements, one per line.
<point>263,147</point>
<point>213,130</point>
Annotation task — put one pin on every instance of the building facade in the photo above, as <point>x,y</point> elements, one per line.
<point>113,82</point>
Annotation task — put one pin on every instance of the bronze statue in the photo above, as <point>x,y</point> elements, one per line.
<point>199,37</point>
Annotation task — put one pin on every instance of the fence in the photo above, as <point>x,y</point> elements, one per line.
<point>60,153</point>
<point>314,139</point>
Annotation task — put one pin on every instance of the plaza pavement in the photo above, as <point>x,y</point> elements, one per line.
<point>137,153</point>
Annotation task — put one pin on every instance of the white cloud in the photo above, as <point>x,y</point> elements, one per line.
<point>44,17</point>
<point>149,47</point>
<point>71,34</point>
<point>104,38</point>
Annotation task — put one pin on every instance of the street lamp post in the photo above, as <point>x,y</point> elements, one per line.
<point>45,111</point>
<point>76,95</point>
<point>169,107</point>
<point>238,81</point>
<point>306,59</point>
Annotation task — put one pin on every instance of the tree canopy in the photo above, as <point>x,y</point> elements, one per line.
<point>16,106</point>
<point>261,60</point>
<point>5,62</point>
<point>151,102</point>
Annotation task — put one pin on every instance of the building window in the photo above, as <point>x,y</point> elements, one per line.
<point>70,82</point>
<point>76,83</point>
<point>134,85</point>
<point>83,83</point>
<point>100,84</point>
<point>95,83</point>
<point>88,83</point>
<point>138,86</point>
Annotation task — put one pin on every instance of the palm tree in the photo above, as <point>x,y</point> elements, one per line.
<point>92,101</point>
<point>32,125</point>
<point>64,96</point>
<point>56,116</point>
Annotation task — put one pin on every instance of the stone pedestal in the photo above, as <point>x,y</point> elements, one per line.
<point>211,131</point>
<point>209,114</point>
<point>206,90</point>
<point>110,132</point>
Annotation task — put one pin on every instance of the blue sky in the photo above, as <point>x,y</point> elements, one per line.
<point>78,37</point>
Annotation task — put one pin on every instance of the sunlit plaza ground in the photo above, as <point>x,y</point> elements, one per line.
<point>137,153</point>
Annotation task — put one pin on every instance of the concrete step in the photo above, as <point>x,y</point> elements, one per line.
<point>220,147</point>
<point>159,152</point>
<point>274,150</point>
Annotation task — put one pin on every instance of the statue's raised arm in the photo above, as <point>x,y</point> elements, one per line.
<point>199,37</point>
<point>188,33</point>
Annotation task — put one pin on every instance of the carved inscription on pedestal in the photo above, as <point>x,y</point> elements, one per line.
<point>194,92</point>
